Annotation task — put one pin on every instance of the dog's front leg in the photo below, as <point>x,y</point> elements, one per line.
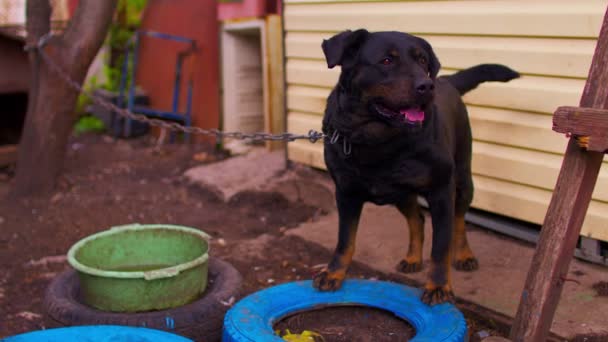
<point>415,220</point>
<point>349,212</point>
<point>438,288</point>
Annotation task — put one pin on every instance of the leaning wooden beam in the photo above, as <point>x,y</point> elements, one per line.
<point>565,215</point>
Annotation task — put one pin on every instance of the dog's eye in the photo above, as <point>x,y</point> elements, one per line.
<point>387,61</point>
<point>422,60</point>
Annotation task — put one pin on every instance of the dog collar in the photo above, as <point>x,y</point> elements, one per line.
<point>347,147</point>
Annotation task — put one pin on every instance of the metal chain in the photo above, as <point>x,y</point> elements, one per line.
<point>313,135</point>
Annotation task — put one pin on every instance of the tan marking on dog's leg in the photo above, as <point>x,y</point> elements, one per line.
<point>331,277</point>
<point>464,259</point>
<point>438,288</point>
<point>413,259</point>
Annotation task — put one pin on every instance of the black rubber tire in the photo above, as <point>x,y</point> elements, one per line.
<point>201,319</point>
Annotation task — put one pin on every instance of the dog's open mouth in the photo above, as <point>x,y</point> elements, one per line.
<point>411,115</point>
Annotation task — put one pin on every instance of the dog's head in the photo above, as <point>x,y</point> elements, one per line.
<point>392,73</point>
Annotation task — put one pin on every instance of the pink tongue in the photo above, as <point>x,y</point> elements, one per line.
<point>413,115</point>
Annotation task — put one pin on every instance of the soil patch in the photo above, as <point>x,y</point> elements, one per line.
<point>346,324</point>
<point>268,209</point>
<point>601,288</point>
<point>108,183</point>
<point>590,338</point>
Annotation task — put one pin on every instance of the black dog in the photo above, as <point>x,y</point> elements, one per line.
<point>397,132</point>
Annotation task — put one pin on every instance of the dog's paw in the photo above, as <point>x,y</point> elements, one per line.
<point>468,265</point>
<point>437,294</point>
<point>327,280</point>
<point>409,267</point>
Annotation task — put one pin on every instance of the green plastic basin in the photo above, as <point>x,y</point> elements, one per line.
<point>141,267</point>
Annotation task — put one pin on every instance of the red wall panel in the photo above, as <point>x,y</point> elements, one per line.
<point>195,19</point>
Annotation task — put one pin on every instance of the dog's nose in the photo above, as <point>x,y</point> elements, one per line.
<point>424,87</point>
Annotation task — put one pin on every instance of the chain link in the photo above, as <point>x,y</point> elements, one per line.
<point>313,135</point>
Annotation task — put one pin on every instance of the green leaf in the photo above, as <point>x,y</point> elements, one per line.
<point>88,124</point>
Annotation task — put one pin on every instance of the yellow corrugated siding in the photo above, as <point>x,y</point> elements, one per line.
<point>543,56</point>
<point>516,155</point>
<point>503,18</point>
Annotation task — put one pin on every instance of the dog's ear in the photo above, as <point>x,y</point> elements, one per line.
<point>434,64</point>
<point>343,47</point>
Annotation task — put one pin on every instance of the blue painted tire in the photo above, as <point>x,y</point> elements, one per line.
<point>97,333</point>
<point>251,319</point>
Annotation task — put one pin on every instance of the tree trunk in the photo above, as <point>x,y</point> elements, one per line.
<point>50,115</point>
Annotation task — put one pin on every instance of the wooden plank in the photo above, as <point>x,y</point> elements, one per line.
<point>526,167</point>
<point>512,18</point>
<point>538,56</point>
<point>306,153</point>
<point>307,99</point>
<point>524,94</point>
<point>515,128</point>
<point>586,122</point>
<point>301,123</point>
<point>530,204</point>
<point>303,151</point>
<point>565,215</point>
<point>311,73</point>
<point>8,155</point>
<point>275,95</point>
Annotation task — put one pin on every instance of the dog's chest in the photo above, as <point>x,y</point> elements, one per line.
<point>384,183</point>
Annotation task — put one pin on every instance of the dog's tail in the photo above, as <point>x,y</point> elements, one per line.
<point>468,79</point>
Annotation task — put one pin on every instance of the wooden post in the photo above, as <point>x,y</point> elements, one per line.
<point>565,215</point>
<point>274,121</point>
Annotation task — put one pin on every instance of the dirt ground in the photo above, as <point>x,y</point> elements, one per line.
<point>372,325</point>
<point>108,183</point>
